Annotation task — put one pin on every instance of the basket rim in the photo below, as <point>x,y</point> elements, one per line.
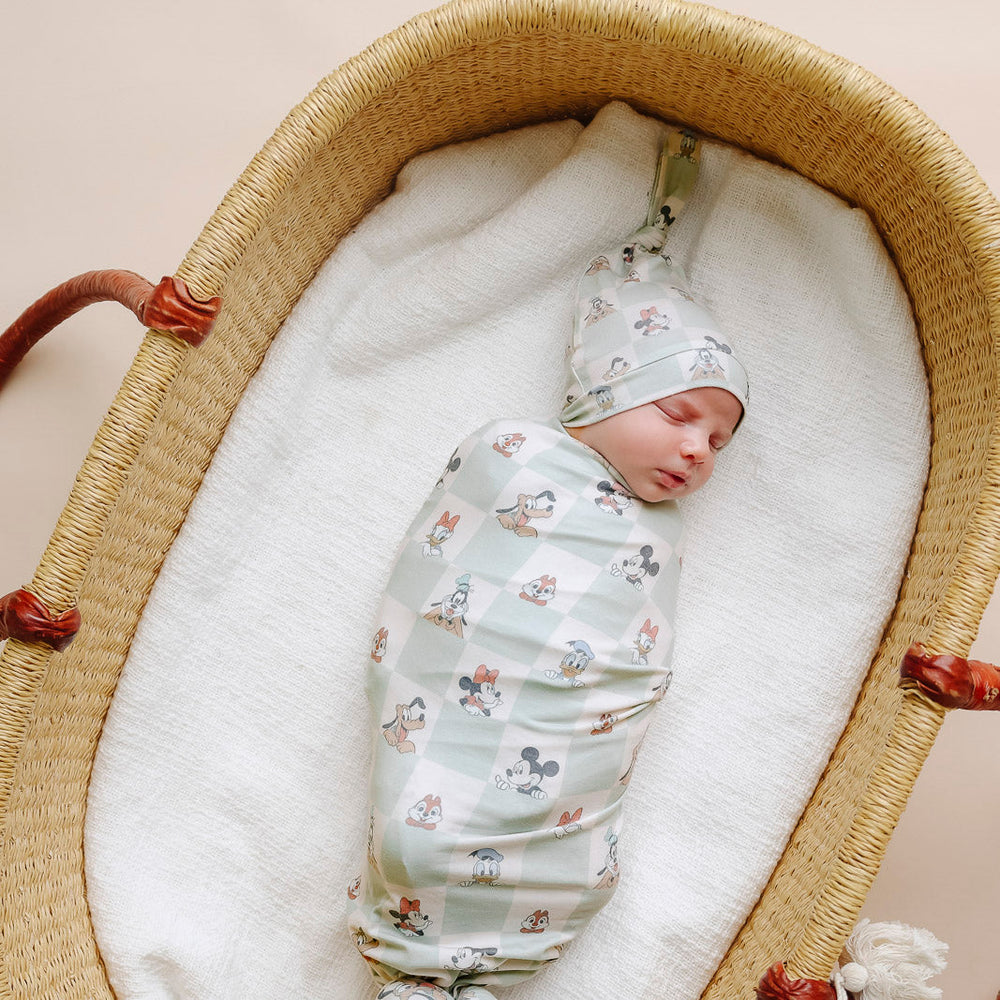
<point>785,57</point>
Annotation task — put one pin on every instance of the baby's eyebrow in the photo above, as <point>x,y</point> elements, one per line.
<point>688,407</point>
<point>678,401</point>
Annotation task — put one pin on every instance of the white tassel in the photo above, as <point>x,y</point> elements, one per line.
<point>892,961</point>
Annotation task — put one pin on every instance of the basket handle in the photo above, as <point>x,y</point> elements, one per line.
<point>23,616</point>
<point>168,307</point>
<point>951,681</point>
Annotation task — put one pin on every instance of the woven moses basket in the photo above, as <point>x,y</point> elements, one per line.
<point>468,70</point>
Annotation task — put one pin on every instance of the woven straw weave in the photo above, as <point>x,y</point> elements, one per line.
<point>468,69</point>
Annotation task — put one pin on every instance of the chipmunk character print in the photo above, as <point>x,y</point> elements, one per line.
<point>425,814</point>
<point>644,642</point>
<point>535,923</point>
<point>607,877</point>
<point>527,509</point>
<point>599,308</point>
<point>509,444</point>
<point>486,867</point>
<point>483,696</point>
<point>617,367</point>
<point>651,322</point>
<point>470,959</point>
<point>573,663</point>
<point>636,568</point>
<point>613,499</point>
<point>409,919</point>
<point>539,591</point>
<point>397,731</point>
<point>569,822</point>
<point>525,776</point>
<point>380,640</point>
<point>439,534</point>
<point>449,613</point>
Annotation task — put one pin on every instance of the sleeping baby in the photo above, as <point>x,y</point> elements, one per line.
<point>524,638</point>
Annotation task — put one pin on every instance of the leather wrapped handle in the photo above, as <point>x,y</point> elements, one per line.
<point>776,984</point>
<point>24,617</point>
<point>169,306</point>
<point>951,681</point>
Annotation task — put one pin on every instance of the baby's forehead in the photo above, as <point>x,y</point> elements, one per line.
<point>694,394</point>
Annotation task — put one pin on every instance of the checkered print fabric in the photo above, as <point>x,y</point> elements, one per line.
<point>524,637</point>
<point>640,335</point>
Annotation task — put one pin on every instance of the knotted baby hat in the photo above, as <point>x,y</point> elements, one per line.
<point>639,334</point>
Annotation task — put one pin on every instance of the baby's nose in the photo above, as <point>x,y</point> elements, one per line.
<point>696,446</point>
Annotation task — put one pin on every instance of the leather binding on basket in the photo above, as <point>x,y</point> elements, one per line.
<point>467,70</point>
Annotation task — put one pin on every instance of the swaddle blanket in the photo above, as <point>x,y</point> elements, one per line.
<point>227,803</point>
<point>522,642</point>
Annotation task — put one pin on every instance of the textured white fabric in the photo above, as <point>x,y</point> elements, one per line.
<point>226,811</point>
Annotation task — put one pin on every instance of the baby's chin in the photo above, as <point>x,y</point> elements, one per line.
<point>653,494</point>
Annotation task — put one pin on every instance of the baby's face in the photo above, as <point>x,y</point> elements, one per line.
<point>666,450</point>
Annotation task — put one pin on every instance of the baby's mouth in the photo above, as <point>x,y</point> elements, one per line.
<point>672,480</point>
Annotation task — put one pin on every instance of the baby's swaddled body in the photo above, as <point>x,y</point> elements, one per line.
<point>522,642</point>
<point>525,634</point>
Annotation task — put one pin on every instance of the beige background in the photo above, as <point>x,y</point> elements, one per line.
<point>124,123</point>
